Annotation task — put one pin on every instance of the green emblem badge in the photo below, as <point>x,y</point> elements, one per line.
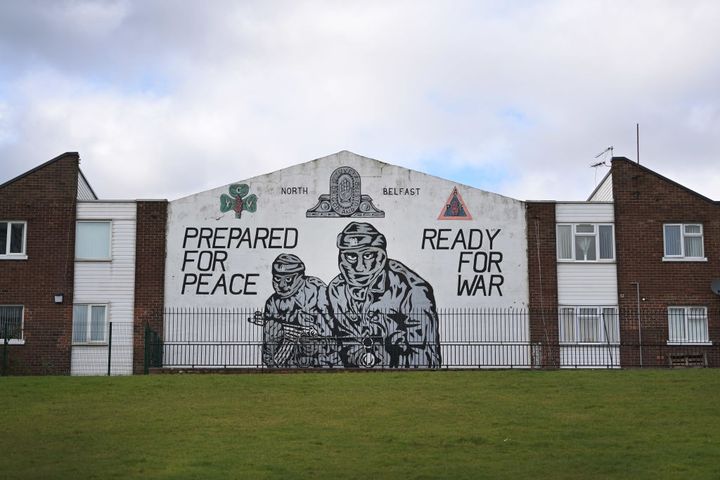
<point>238,200</point>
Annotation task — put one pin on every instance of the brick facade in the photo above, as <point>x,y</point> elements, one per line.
<point>542,280</point>
<point>149,274</point>
<point>45,198</point>
<point>644,201</point>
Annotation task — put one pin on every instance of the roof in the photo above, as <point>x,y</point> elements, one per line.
<point>662,177</point>
<point>599,185</point>
<point>39,167</point>
<point>82,175</point>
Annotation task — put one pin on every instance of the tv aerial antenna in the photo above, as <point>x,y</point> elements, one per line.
<point>603,162</point>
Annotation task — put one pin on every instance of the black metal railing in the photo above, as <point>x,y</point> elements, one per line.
<point>153,349</point>
<point>601,337</point>
<point>108,354</point>
<point>10,331</point>
<point>113,355</point>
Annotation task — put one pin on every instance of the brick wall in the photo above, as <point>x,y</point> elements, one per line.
<point>149,274</point>
<point>542,280</point>
<point>644,201</point>
<point>46,198</point>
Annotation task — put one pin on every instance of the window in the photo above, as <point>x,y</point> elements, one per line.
<point>585,242</point>
<point>89,323</point>
<point>12,239</point>
<point>683,241</point>
<point>92,240</point>
<point>687,325</point>
<point>11,322</point>
<point>589,325</point>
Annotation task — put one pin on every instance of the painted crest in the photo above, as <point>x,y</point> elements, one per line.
<point>455,208</point>
<point>345,198</point>
<point>345,191</point>
<point>238,200</point>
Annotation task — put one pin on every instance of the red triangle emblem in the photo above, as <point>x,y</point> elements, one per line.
<point>455,208</point>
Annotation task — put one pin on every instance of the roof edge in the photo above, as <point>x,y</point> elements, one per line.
<point>345,152</point>
<point>92,190</point>
<point>43,165</point>
<point>597,187</point>
<point>663,177</point>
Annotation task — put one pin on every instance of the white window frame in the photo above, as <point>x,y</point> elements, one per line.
<point>600,313</point>
<point>15,341</point>
<point>682,257</point>
<point>22,255</point>
<point>705,340</point>
<point>95,259</point>
<point>574,233</point>
<point>88,326</point>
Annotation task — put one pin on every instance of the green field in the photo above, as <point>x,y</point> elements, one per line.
<point>477,424</point>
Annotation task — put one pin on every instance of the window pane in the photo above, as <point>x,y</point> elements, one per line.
<point>585,247</point>
<point>3,238</point>
<point>92,240</point>
<point>564,242</point>
<point>676,320</point>
<point>11,322</point>
<point>611,325</point>
<point>693,229</point>
<point>97,324</point>
<point>693,246</point>
<point>697,325</point>
<point>567,324</point>
<point>672,240</point>
<point>16,237</point>
<point>585,228</point>
<point>589,325</point>
<point>80,323</point>
<point>606,242</point>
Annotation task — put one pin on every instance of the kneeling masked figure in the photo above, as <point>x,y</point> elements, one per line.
<point>296,330</point>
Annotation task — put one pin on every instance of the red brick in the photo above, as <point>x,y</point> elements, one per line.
<point>542,280</point>
<point>149,274</point>
<point>644,201</point>
<point>46,198</point>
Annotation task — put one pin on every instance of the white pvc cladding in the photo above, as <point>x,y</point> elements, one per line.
<point>588,286</point>
<point>603,192</point>
<point>109,282</point>
<point>84,190</point>
<point>587,282</point>
<point>467,244</point>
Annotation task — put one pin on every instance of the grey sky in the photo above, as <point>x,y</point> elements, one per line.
<point>165,98</point>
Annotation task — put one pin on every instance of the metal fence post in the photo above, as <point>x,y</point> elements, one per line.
<point>6,341</point>
<point>146,366</point>
<point>109,348</point>
<point>639,323</point>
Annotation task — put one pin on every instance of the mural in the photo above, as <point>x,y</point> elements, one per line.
<point>295,321</point>
<point>376,312</point>
<point>345,198</point>
<point>384,312</point>
<point>238,200</point>
<point>345,263</point>
<point>455,208</point>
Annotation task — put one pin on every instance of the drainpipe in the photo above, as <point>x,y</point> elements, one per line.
<point>637,291</point>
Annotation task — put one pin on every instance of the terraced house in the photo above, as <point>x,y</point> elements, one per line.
<point>349,262</point>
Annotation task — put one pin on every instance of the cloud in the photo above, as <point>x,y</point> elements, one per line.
<point>164,101</point>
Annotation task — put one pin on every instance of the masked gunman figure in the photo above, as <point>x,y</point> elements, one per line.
<point>296,331</point>
<point>384,313</point>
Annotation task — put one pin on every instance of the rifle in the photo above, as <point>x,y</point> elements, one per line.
<point>291,334</point>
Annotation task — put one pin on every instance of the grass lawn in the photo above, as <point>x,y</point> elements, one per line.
<point>476,424</point>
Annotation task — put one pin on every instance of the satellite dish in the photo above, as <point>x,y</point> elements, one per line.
<point>715,286</point>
